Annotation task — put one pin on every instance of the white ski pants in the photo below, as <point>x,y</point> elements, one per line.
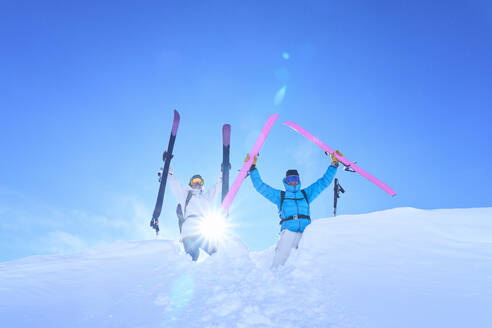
<point>286,242</point>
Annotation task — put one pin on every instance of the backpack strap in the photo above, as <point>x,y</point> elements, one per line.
<point>188,198</point>
<point>305,196</point>
<point>180,211</point>
<point>295,217</point>
<point>282,198</point>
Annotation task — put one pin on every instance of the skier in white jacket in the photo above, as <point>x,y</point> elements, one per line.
<point>195,204</point>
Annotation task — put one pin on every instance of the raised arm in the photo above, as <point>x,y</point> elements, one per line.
<point>316,188</point>
<point>178,189</point>
<point>213,191</point>
<point>265,190</point>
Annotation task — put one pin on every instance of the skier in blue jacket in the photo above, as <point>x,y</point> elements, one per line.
<point>293,205</point>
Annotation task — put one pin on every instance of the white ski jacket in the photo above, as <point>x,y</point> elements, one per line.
<point>200,203</point>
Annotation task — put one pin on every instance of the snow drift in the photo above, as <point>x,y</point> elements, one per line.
<point>397,268</point>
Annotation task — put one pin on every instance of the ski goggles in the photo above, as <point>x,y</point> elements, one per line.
<point>196,181</point>
<point>292,179</point>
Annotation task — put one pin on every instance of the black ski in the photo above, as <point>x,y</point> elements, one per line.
<point>226,164</point>
<point>166,157</point>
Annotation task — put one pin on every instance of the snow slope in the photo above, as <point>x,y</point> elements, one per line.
<point>397,268</point>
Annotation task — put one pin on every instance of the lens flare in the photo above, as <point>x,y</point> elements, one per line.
<point>279,97</point>
<point>213,227</point>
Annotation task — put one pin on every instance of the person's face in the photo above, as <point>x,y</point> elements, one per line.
<point>196,186</point>
<point>292,180</point>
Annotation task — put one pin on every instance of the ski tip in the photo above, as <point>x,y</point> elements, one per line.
<point>271,120</point>
<point>226,134</point>
<point>293,126</point>
<point>175,123</point>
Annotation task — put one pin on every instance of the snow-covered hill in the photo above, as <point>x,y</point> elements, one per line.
<point>397,268</point>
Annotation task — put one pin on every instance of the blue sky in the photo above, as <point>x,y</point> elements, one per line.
<point>88,89</point>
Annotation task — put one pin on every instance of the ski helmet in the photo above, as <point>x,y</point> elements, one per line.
<point>197,178</point>
<point>291,172</point>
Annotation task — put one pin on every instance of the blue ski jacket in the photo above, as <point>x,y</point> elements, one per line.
<point>294,202</point>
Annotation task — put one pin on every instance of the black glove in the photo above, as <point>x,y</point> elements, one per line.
<point>155,224</point>
<point>166,156</point>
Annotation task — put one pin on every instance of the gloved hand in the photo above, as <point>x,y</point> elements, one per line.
<point>334,160</point>
<point>247,159</point>
<point>253,166</point>
<point>171,171</point>
<point>166,156</point>
<point>155,224</point>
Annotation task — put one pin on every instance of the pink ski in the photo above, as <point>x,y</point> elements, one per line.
<point>226,203</point>
<point>342,159</point>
